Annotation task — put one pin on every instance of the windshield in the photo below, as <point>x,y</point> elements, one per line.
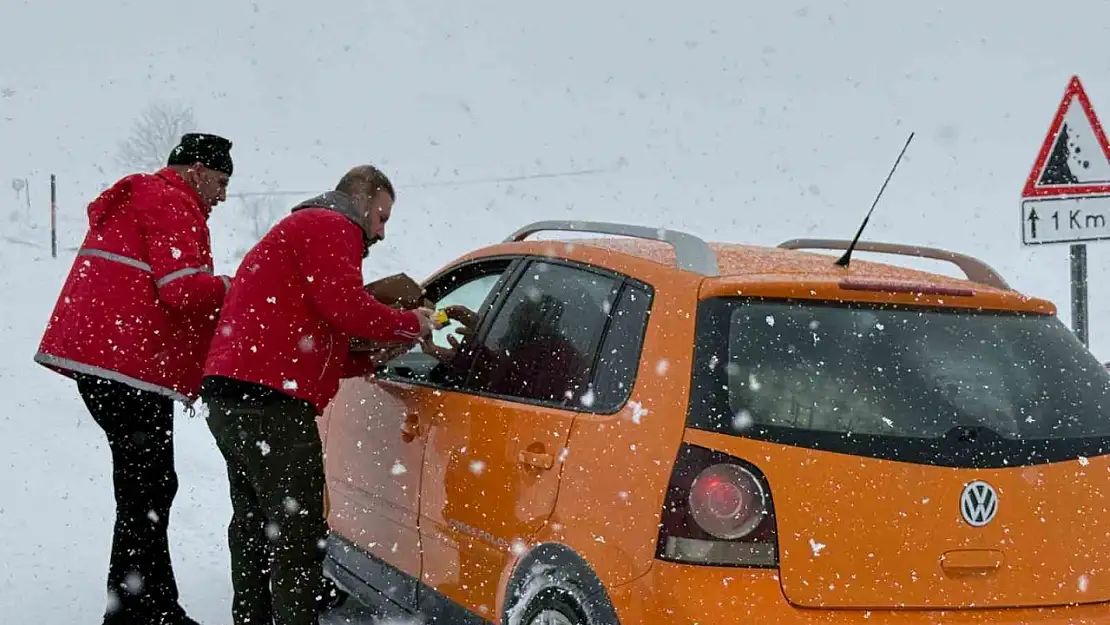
<point>854,377</point>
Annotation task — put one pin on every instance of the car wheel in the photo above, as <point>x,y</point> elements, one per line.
<point>554,606</point>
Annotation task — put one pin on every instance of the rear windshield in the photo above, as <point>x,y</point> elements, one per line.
<point>930,386</point>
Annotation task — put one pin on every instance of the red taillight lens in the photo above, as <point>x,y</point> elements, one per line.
<point>727,501</point>
<point>717,512</point>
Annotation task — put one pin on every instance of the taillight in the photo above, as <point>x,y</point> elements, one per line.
<point>718,512</point>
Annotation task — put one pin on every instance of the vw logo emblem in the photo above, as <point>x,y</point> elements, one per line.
<point>978,503</point>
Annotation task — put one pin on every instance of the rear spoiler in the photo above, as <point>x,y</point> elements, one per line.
<point>975,269</point>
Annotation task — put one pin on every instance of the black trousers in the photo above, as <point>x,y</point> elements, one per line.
<point>275,471</point>
<point>139,427</point>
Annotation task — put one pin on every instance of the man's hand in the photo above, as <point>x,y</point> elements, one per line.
<point>468,318</point>
<point>427,324</point>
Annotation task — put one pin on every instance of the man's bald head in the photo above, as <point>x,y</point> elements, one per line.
<point>365,180</point>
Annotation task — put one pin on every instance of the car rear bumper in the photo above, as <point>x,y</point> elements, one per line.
<point>673,594</point>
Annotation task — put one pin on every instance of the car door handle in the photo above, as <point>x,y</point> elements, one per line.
<point>538,460</point>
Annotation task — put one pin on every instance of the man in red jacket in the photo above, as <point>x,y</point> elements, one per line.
<point>132,326</point>
<point>280,350</point>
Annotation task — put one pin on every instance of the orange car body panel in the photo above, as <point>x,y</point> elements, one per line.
<point>373,473</point>
<point>603,495</point>
<point>491,481</point>
<point>675,594</point>
<point>910,549</point>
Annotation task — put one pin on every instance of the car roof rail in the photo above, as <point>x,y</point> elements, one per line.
<point>975,269</point>
<point>692,253</point>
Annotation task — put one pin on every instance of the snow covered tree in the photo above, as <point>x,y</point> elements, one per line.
<point>154,134</point>
<point>263,209</point>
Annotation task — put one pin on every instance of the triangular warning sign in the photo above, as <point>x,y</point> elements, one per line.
<point>1075,157</point>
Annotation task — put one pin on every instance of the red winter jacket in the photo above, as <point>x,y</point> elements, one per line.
<point>140,303</point>
<point>295,303</point>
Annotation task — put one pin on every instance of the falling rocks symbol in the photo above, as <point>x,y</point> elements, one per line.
<point>1058,169</point>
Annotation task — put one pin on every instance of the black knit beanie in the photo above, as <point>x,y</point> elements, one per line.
<point>212,151</point>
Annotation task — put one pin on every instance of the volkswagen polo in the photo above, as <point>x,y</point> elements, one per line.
<point>648,428</point>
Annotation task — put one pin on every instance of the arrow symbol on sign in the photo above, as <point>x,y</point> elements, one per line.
<point>1033,223</point>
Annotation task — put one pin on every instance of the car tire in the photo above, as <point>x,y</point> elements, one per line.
<point>553,597</point>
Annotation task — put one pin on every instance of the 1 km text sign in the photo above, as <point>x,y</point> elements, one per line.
<point>1066,198</point>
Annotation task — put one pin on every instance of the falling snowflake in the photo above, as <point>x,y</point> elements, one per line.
<point>273,531</point>
<point>587,399</point>
<point>770,320</point>
<point>518,547</point>
<point>1084,582</point>
<point>477,467</point>
<point>638,411</point>
<point>289,385</point>
<point>133,583</point>
<point>271,300</point>
<point>153,516</point>
<point>753,383</point>
<point>816,547</point>
<point>307,343</point>
<point>1084,461</point>
<point>264,447</point>
<point>662,366</point>
<point>176,253</point>
<point>742,421</point>
<point>398,468</point>
<point>291,505</point>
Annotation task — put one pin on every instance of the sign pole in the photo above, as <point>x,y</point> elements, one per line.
<point>53,217</point>
<point>1079,292</point>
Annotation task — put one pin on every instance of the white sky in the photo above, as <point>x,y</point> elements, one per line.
<point>752,122</point>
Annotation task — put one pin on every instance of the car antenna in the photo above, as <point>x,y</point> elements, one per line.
<point>847,257</point>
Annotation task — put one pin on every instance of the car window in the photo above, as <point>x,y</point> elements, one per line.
<point>470,287</point>
<point>470,295</point>
<point>542,343</point>
<point>620,351</point>
<point>923,385</point>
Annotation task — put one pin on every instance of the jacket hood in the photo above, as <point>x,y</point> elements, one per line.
<point>120,193</point>
<point>341,203</point>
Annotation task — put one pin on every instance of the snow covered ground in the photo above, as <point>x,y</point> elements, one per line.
<point>56,505</point>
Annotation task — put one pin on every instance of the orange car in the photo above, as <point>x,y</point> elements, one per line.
<point>650,429</point>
